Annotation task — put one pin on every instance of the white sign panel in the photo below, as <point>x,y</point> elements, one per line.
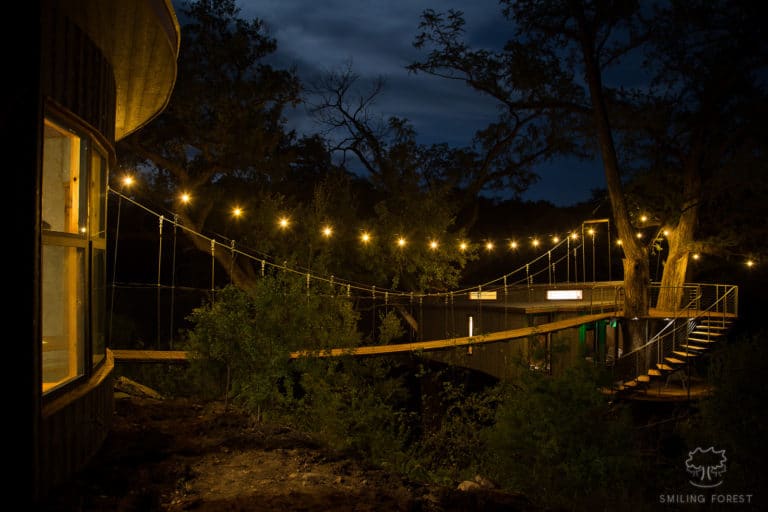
<point>564,294</point>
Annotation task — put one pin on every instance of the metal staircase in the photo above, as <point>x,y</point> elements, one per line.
<point>686,336</point>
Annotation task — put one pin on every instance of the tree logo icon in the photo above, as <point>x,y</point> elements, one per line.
<point>706,466</point>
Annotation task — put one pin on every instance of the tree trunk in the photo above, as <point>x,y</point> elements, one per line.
<point>673,278</point>
<point>681,238</point>
<point>636,282</point>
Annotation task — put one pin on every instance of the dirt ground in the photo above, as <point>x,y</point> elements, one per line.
<point>176,455</point>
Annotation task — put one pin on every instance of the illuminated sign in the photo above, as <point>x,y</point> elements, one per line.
<point>482,295</point>
<point>564,294</point>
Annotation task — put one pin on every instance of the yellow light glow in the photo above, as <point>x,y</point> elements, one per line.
<point>696,256</point>
<point>401,242</point>
<point>618,241</point>
<point>555,239</point>
<point>643,218</point>
<point>327,231</point>
<point>82,229</point>
<point>489,246</point>
<point>283,222</point>
<point>185,198</point>
<point>574,236</point>
<point>535,242</point>
<point>665,232</point>
<point>591,231</point>
<point>365,237</point>
<point>639,235</point>
<point>127,180</point>
<point>433,245</point>
<point>463,246</point>
<point>237,211</point>
<point>513,245</point>
<point>750,263</point>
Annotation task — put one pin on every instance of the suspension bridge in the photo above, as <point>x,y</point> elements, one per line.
<point>545,301</point>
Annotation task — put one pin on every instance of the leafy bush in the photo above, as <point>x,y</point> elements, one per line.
<point>560,441</point>
<point>247,337</point>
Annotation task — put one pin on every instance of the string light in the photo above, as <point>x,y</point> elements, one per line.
<point>618,241</point>
<point>433,244</point>
<point>643,218</point>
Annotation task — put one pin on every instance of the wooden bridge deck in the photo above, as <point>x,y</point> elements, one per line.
<point>170,356</point>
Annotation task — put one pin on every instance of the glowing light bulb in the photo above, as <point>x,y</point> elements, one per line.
<point>463,246</point>
<point>489,246</point>
<point>643,218</point>
<point>237,211</point>
<point>283,222</point>
<point>365,237</point>
<point>433,245</point>
<point>513,245</point>
<point>185,198</point>
<point>401,242</point>
<point>750,263</point>
<point>618,241</point>
<point>535,242</point>
<point>555,239</point>
<point>127,180</point>
<point>327,231</point>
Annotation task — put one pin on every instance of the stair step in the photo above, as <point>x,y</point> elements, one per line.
<point>684,354</point>
<point>706,333</point>
<point>664,367</point>
<point>714,326</point>
<point>673,360</point>
<point>630,384</point>
<point>654,373</point>
<point>643,378</point>
<point>694,348</point>
<point>701,340</point>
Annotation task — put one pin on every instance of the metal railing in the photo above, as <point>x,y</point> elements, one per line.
<point>705,301</point>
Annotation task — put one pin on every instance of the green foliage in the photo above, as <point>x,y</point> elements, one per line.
<point>450,447</point>
<point>248,337</point>
<point>559,441</point>
<point>390,327</point>
<point>354,406</point>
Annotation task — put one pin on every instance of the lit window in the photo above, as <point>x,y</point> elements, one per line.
<point>74,252</point>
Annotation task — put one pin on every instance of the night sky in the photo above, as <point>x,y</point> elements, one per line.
<point>376,38</point>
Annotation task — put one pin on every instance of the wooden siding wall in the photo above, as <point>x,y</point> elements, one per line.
<point>76,75</point>
<point>74,427</point>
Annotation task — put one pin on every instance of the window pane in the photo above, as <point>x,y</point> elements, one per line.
<point>99,304</point>
<point>98,206</point>
<point>64,201</point>
<point>63,314</point>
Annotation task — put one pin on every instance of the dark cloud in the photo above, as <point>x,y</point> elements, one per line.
<point>376,39</point>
